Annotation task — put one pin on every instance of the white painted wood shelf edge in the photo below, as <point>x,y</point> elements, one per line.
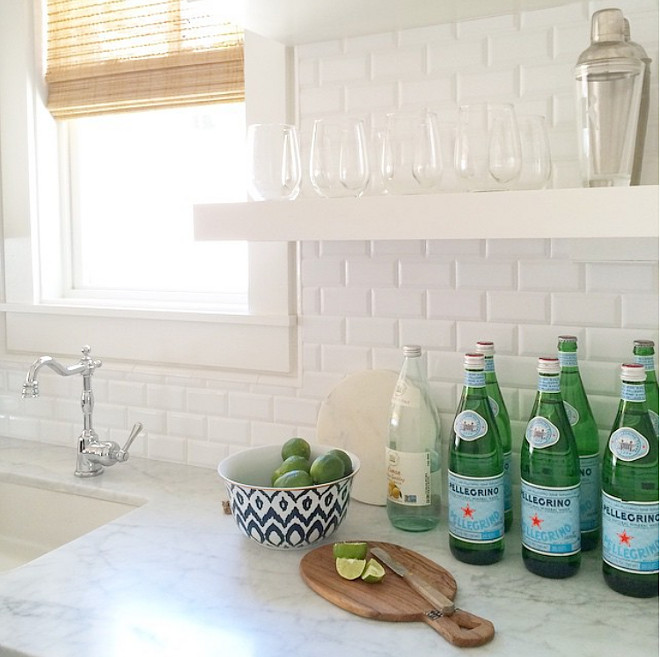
<point>558,213</point>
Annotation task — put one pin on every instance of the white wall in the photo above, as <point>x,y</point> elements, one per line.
<point>360,301</point>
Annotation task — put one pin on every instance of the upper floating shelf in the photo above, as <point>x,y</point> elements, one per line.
<point>558,213</point>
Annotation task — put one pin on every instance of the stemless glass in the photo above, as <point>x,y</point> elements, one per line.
<point>411,162</point>
<point>339,164</point>
<point>487,154</point>
<point>535,149</point>
<point>273,162</point>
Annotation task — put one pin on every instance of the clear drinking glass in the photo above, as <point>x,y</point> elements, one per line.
<point>487,156</point>
<point>411,161</point>
<point>339,164</point>
<point>273,162</point>
<point>535,149</point>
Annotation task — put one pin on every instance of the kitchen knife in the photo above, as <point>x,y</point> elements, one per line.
<point>431,594</point>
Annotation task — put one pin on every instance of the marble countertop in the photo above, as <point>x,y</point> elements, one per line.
<point>175,577</point>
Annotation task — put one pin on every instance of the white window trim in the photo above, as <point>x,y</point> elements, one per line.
<point>264,341</point>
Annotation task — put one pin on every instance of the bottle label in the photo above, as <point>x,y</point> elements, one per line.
<point>627,444</point>
<point>476,508</point>
<point>550,519</point>
<point>541,433</point>
<point>567,358</point>
<point>548,384</point>
<point>474,379</point>
<point>630,535</point>
<point>494,406</point>
<point>589,492</point>
<point>572,413</point>
<point>408,477</point>
<point>406,394</point>
<point>634,392</point>
<point>489,364</point>
<point>647,361</point>
<point>469,425</point>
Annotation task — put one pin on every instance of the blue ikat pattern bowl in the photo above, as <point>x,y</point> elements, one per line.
<point>282,518</point>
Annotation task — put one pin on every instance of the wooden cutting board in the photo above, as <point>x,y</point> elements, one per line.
<point>393,599</point>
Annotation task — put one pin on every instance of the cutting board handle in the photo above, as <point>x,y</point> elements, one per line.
<point>461,628</point>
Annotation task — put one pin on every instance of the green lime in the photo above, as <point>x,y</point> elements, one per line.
<point>296,447</point>
<point>373,572</point>
<point>294,479</point>
<point>292,463</point>
<point>345,458</point>
<point>326,468</point>
<point>350,550</point>
<point>350,568</point>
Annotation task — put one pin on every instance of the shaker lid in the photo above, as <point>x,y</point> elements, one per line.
<point>608,25</point>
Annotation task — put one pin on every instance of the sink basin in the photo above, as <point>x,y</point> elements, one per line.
<point>36,520</point>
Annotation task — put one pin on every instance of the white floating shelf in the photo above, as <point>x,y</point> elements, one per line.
<point>559,213</point>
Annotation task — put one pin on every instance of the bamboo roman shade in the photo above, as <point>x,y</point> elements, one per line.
<point>117,55</point>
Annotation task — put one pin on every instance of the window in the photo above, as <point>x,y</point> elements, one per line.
<point>257,334</point>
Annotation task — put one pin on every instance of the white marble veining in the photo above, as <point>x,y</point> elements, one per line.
<point>175,577</point>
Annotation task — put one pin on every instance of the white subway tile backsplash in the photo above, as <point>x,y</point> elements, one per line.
<point>360,301</point>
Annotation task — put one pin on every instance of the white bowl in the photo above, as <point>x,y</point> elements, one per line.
<point>282,518</point>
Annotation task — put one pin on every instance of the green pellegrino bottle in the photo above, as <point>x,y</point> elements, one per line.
<point>585,431</point>
<point>476,473</point>
<point>503,422</point>
<point>413,453</point>
<point>630,493</point>
<point>644,351</point>
<point>550,482</point>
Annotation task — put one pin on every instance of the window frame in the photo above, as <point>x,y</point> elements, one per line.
<point>262,341</point>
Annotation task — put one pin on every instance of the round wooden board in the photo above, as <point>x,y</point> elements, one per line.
<point>392,599</point>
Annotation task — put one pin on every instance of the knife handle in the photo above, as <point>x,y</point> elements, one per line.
<point>461,628</point>
<point>439,601</point>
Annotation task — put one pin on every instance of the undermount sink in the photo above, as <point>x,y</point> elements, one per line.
<point>35,520</point>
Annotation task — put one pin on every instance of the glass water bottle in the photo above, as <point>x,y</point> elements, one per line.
<point>585,431</point>
<point>630,493</point>
<point>644,351</point>
<point>503,422</point>
<point>550,482</point>
<point>476,473</point>
<point>413,452</point>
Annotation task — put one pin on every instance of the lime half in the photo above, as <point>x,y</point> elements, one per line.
<point>350,568</point>
<point>373,572</point>
<point>350,550</point>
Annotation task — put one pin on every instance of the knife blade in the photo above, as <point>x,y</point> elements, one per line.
<point>431,594</point>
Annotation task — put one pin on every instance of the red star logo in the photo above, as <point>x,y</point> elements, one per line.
<point>536,521</point>
<point>624,538</point>
<point>467,511</point>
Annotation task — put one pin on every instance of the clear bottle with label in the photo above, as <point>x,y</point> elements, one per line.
<point>503,422</point>
<point>413,453</point>
<point>476,473</point>
<point>630,493</point>
<point>644,351</point>
<point>550,482</point>
<point>585,431</point>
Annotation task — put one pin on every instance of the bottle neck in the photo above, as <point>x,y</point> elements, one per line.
<point>633,393</point>
<point>649,365</point>
<point>474,379</point>
<point>548,384</point>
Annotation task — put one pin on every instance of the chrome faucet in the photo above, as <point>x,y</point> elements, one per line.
<point>93,453</point>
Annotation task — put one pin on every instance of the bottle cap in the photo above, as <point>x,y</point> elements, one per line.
<point>485,347</point>
<point>644,343</point>
<point>412,350</point>
<point>608,25</point>
<point>474,361</point>
<point>567,338</point>
<point>548,365</point>
<point>633,372</point>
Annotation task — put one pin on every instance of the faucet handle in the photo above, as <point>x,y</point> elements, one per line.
<point>122,454</point>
